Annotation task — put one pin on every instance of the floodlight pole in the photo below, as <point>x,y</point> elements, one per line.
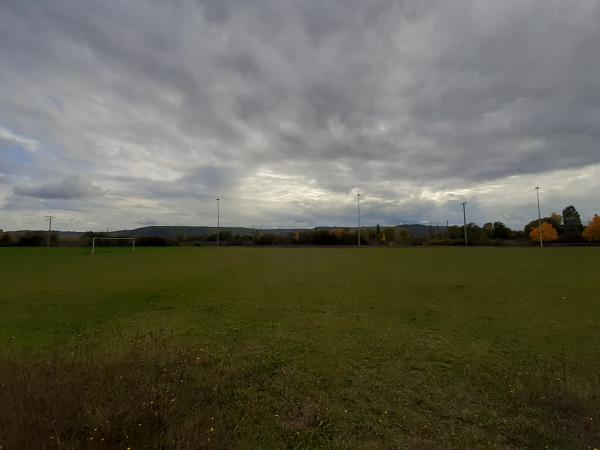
<point>358,207</point>
<point>49,229</point>
<point>465,222</point>
<point>537,190</point>
<point>218,220</point>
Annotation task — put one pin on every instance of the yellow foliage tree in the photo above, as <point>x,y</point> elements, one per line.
<point>339,233</point>
<point>592,231</point>
<point>388,234</point>
<point>549,233</point>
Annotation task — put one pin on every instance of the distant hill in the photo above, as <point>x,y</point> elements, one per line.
<point>171,232</point>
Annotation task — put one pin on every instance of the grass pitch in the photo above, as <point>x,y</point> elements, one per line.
<point>300,348</point>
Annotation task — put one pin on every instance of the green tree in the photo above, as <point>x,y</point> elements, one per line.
<point>488,229</point>
<point>476,234</point>
<point>32,239</point>
<point>5,239</point>
<point>501,231</point>
<point>572,224</point>
<point>456,233</point>
<point>225,236</point>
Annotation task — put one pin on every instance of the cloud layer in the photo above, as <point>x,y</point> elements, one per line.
<point>72,187</point>
<point>285,109</point>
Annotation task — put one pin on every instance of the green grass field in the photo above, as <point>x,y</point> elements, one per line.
<point>301,348</point>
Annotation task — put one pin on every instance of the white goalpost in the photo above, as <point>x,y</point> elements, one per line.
<point>94,239</point>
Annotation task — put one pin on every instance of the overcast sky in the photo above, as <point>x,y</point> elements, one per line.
<point>121,114</point>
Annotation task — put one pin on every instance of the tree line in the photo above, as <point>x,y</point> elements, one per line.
<point>564,228</point>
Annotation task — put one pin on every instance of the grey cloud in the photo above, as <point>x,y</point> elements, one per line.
<point>200,183</point>
<point>71,187</point>
<point>205,94</point>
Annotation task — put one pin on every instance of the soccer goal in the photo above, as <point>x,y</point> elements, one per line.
<point>94,239</point>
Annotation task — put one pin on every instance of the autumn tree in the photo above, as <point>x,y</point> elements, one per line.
<point>592,231</point>
<point>340,234</point>
<point>554,219</point>
<point>388,234</point>
<point>402,236</point>
<point>549,233</point>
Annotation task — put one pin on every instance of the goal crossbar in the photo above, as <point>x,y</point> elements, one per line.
<point>94,239</point>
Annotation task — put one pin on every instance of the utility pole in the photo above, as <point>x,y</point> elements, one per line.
<point>49,229</point>
<point>465,222</point>
<point>537,190</point>
<point>358,205</point>
<point>218,219</point>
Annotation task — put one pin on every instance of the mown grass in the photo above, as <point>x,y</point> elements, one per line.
<point>300,348</point>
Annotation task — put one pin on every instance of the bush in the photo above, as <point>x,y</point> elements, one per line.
<point>6,240</point>
<point>155,241</point>
<point>35,239</point>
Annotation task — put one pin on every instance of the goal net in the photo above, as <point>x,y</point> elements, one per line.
<point>119,240</point>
